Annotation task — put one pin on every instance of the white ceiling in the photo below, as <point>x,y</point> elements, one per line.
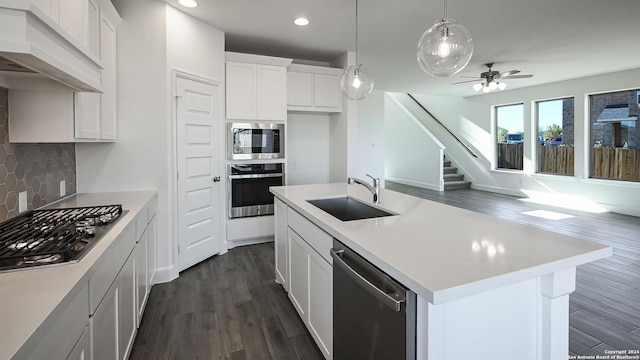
<point>552,39</point>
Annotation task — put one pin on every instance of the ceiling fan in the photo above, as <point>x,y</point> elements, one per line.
<point>491,80</point>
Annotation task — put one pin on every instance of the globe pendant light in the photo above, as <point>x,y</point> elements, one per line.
<point>445,48</point>
<point>356,81</point>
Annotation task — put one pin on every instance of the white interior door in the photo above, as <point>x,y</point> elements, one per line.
<point>199,186</point>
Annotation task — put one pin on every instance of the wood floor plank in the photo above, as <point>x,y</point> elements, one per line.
<point>227,307</point>
<point>583,338</point>
<point>604,331</point>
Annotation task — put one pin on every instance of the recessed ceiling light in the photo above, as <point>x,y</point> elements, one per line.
<point>188,3</point>
<point>301,21</point>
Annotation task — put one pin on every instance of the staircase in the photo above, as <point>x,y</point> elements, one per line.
<point>453,180</point>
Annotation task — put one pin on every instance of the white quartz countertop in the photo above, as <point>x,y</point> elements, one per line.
<point>439,251</point>
<point>31,299</point>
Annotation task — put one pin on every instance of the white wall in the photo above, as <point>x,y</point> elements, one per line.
<point>471,119</point>
<point>370,143</point>
<point>152,39</point>
<point>142,119</point>
<point>308,148</point>
<point>413,155</point>
<point>194,46</point>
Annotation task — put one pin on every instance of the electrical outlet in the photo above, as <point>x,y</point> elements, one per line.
<point>63,188</point>
<point>22,202</point>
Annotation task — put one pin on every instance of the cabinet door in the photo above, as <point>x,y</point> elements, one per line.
<point>281,244</point>
<point>241,91</point>
<point>142,284</point>
<point>320,313</point>
<point>298,273</point>
<point>73,14</point>
<point>127,315</point>
<point>299,89</point>
<point>93,27</point>
<point>108,115</point>
<point>104,324</point>
<point>87,115</point>
<point>327,91</point>
<point>272,92</point>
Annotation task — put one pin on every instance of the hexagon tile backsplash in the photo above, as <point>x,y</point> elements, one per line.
<point>34,168</point>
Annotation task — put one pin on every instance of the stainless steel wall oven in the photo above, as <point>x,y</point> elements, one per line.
<point>249,188</point>
<point>251,141</point>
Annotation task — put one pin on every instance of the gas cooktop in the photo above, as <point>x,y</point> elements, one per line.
<point>53,236</point>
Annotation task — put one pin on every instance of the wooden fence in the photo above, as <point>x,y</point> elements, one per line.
<point>616,163</point>
<point>555,159</point>
<point>510,156</point>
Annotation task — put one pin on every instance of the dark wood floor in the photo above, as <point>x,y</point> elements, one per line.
<point>227,307</point>
<point>605,308</point>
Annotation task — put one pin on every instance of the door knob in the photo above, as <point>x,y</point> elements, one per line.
<point>216,179</point>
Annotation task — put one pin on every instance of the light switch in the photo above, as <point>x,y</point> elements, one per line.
<point>63,188</point>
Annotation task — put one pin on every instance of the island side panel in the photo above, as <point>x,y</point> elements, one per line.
<point>500,324</point>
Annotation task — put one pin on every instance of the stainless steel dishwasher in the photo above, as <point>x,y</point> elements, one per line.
<point>374,317</point>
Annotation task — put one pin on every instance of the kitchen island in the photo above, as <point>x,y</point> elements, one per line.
<point>61,311</point>
<point>487,288</point>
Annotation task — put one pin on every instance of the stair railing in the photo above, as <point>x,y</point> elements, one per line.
<point>446,128</point>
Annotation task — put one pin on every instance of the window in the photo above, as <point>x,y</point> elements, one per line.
<point>510,132</point>
<point>615,139</point>
<point>554,148</point>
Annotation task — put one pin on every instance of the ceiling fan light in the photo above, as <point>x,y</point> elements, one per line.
<point>445,48</point>
<point>477,87</point>
<point>356,82</point>
<point>492,86</point>
<point>485,88</point>
<point>502,86</point>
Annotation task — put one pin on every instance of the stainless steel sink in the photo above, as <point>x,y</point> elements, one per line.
<point>347,209</point>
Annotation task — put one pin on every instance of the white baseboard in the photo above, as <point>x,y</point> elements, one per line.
<point>415,183</point>
<point>253,241</point>
<point>166,274</point>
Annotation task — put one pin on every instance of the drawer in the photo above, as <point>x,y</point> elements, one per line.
<point>319,240</point>
<point>109,267</point>
<point>62,335</point>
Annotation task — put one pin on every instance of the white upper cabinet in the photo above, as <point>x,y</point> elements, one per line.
<point>95,113</point>
<point>64,115</point>
<point>256,87</point>
<point>314,89</point>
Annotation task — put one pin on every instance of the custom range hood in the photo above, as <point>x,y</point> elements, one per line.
<point>47,47</point>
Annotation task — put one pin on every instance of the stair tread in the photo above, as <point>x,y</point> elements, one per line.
<point>459,182</point>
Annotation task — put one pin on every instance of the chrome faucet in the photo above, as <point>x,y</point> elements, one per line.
<point>375,189</point>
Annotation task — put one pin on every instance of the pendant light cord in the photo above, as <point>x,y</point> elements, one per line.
<point>445,9</point>
<point>356,32</point>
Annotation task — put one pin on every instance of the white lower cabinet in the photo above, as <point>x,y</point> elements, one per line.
<point>104,325</point>
<point>299,276</point>
<point>142,273</point>
<point>114,322</point>
<point>82,350</point>
<point>127,314</point>
<point>320,313</point>
<point>74,320</point>
<point>281,244</point>
<point>311,280</point>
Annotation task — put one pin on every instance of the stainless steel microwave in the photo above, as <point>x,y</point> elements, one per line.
<point>251,141</point>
